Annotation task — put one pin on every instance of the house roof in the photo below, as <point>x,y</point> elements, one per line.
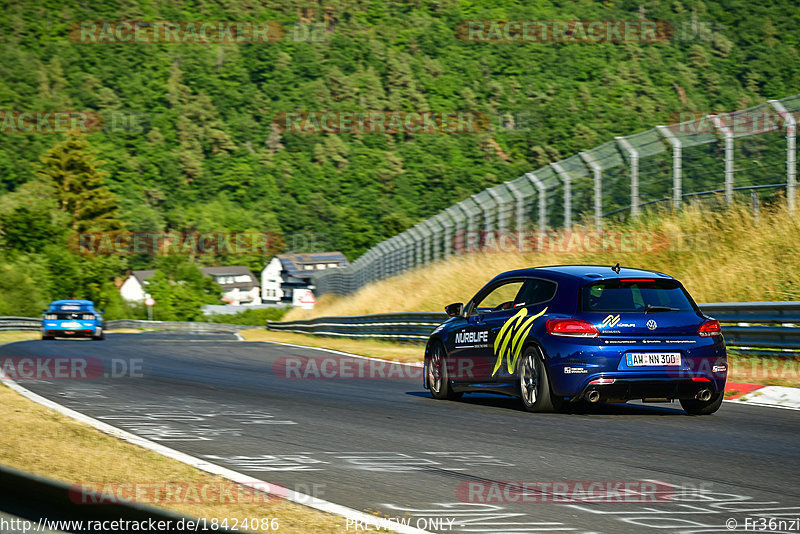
<point>230,270</point>
<point>292,263</point>
<point>143,275</point>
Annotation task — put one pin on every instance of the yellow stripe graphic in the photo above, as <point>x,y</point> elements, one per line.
<point>509,340</point>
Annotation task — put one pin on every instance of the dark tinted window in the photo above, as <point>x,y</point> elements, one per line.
<point>623,295</point>
<point>535,291</point>
<point>70,307</point>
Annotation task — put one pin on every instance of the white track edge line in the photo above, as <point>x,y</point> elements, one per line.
<point>235,476</point>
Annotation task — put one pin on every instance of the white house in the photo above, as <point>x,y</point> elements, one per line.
<point>239,285</point>
<point>135,286</point>
<point>287,272</point>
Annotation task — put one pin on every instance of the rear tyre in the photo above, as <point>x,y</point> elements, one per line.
<point>534,384</point>
<point>438,379</point>
<point>698,407</point>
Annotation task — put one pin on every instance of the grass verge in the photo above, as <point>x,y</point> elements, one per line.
<point>39,441</point>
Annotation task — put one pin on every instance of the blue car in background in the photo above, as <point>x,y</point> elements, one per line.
<point>580,334</point>
<point>72,318</point>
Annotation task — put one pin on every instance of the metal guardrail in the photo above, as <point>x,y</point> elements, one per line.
<point>775,328</point>
<point>20,323</point>
<point>410,326</point>
<point>35,324</point>
<point>175,325</point>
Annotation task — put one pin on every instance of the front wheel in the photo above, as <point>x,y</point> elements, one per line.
<point>698,407</point>
<point>534,384</point>
<point>438,379</point>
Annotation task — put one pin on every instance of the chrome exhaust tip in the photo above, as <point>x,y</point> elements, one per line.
<point>593,396</point>
<point>703,395</point>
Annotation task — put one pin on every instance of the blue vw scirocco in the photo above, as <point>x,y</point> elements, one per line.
<point>580,334</point>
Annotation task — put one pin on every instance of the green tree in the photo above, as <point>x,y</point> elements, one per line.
<point>79,184</point>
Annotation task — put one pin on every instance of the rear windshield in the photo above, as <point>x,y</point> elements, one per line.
<point>70,307</point>
<point>636,295</point>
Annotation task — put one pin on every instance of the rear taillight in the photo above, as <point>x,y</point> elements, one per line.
<point>710,327</point>
<point>571,328</point>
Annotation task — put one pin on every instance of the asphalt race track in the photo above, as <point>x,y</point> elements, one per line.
<point>384,445</point>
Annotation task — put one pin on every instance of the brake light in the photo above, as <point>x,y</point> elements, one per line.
<point>571,328</point>
<point>710,327</point>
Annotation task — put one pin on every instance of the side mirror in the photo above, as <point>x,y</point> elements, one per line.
<point>454,310</point>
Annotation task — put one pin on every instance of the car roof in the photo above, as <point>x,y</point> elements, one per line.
<point>79,302</point>
<point>586,273</point>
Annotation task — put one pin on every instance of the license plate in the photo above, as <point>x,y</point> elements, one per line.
<point>72,324</point>
<point>654,359</point>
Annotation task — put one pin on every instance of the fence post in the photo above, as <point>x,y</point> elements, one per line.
<point>542,200</point>
<point>416,235</point>
<point>677,182</point>
<point>436,238</point>
<point>498,202</point>
<point>634,156</point>
<point>597,171</point>
<point>791,153</point>
<point>427,242</point>
<point>519,208</point>
<point>453,212</point>
<point>487,216</point>
<point>446,220</point>
<point>567,179</point>
<point>728,134</point>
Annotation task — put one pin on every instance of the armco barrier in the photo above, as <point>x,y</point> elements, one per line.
<point>175,325</point>
<point>776,328</point>
<point>35,324</point>
<point>410,326</point>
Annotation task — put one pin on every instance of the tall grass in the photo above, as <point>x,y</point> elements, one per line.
<point>719,255</point>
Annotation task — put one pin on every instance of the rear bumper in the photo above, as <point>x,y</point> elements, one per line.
<point>69,333</point>
<point>625,389</point>
<point>81,329</point>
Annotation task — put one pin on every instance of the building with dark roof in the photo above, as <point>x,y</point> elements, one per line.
<point>287,273</point>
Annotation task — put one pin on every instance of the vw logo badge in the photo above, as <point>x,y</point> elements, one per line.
<point>651,324</point>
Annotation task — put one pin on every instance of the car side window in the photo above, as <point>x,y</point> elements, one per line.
<point>502,297</point>
<point>535,291</point>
